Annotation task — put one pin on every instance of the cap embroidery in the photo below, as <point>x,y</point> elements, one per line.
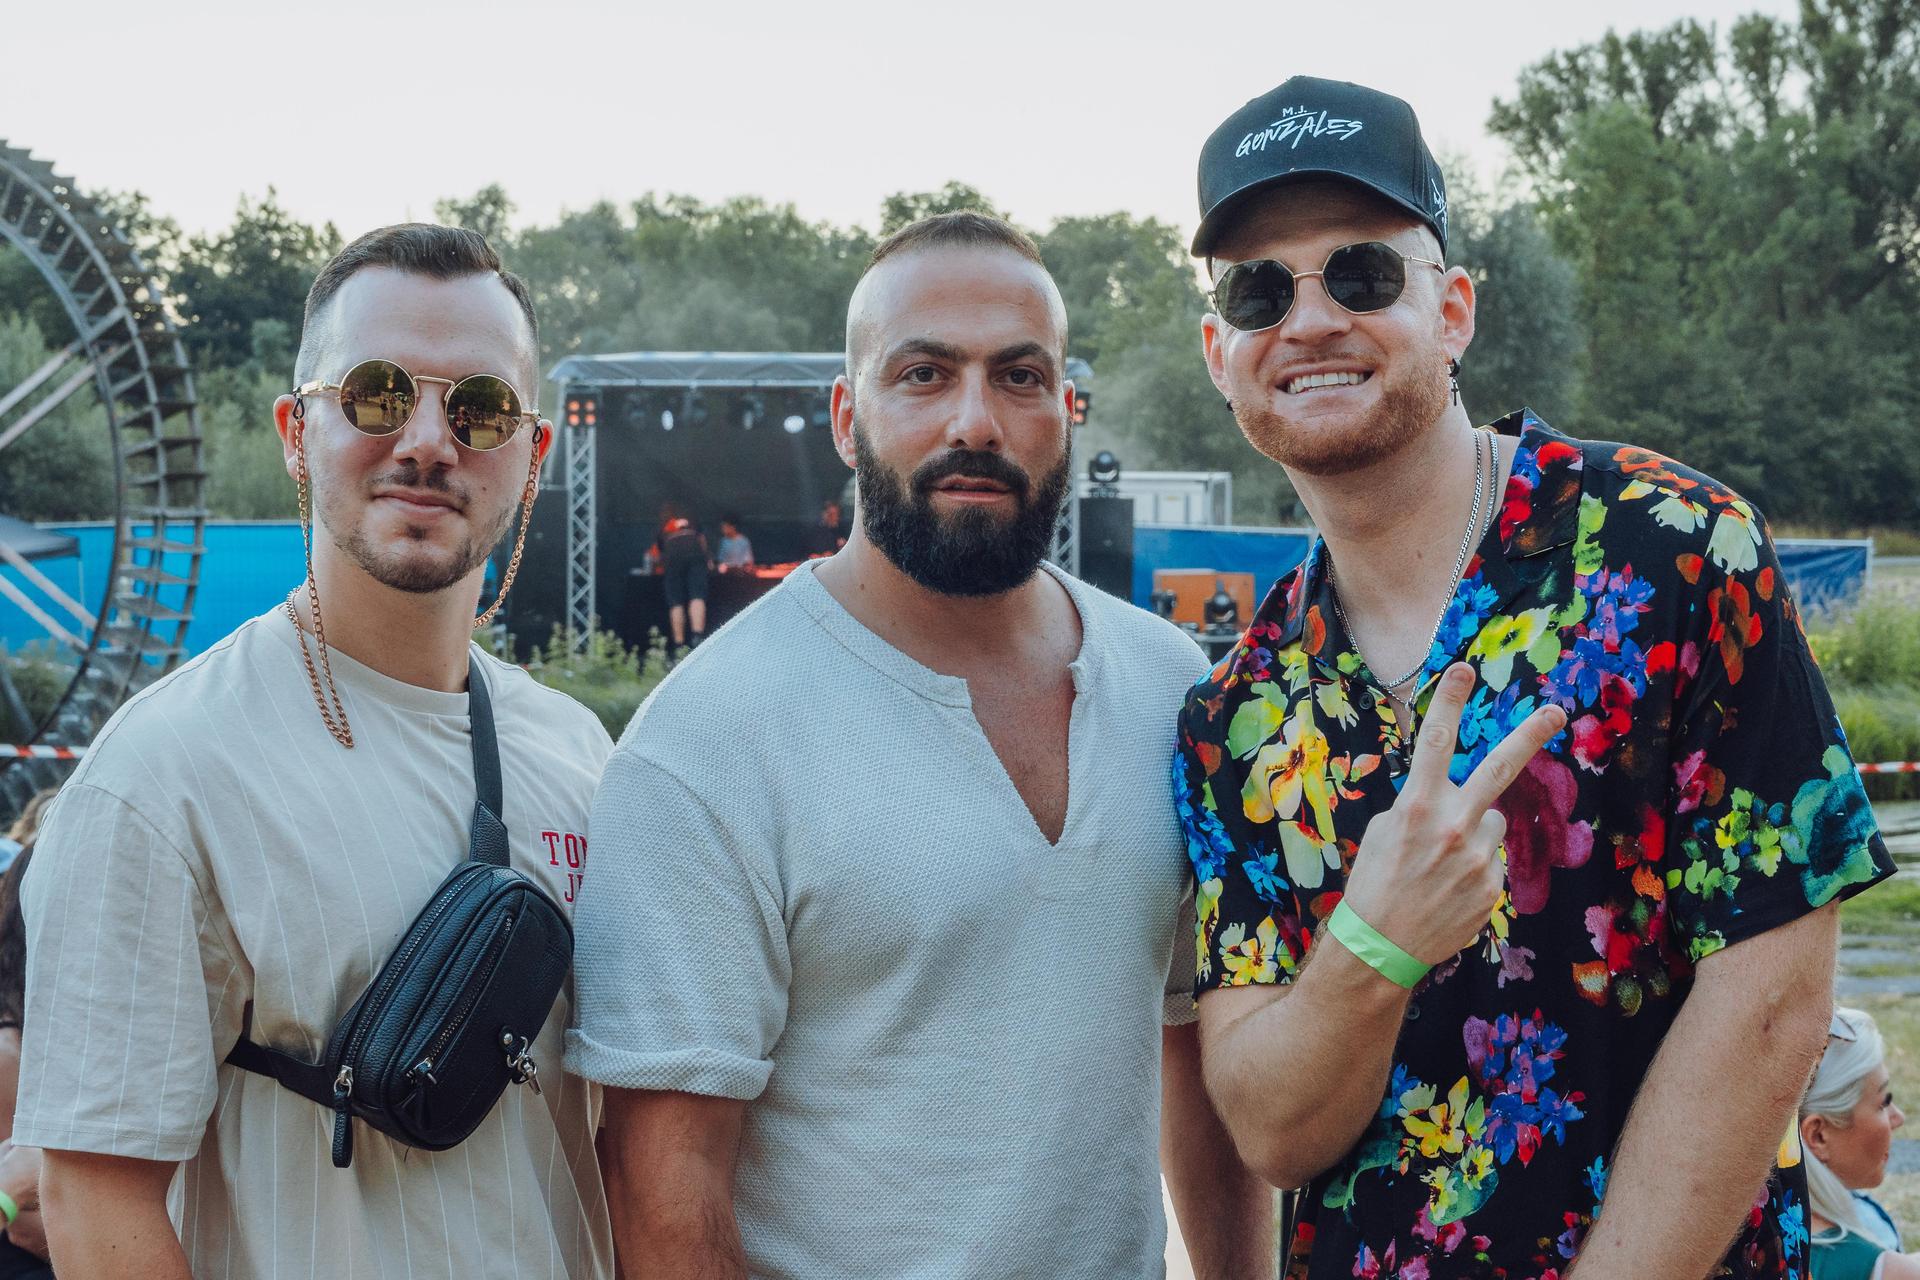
<point>1294,124</point>
<point>1439,204</point>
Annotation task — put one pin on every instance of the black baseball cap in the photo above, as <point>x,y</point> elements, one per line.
<point>1312,128</point>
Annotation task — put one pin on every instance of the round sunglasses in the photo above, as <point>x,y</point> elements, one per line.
<point>378,398</point>
<point>1361,278</point>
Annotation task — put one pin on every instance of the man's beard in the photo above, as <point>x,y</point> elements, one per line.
<point>970,552</point>
<point>415,574</point>
<point>1407,408</point>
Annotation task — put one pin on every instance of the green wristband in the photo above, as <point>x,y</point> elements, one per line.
<point>1375,948</point>
<point>8,1207</point>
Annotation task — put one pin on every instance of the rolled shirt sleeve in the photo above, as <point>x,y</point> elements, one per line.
<point>681,968</point>
<point>134,994</point>
<point>1769,819</point>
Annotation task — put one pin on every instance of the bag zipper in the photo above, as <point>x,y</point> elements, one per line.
<point>423,1069</point>
<point>343,1082</point>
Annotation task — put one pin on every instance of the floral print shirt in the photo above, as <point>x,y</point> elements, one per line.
<point>1701,793</point>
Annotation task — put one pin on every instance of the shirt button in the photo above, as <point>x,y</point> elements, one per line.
<point>1413,1011</point>
<point>1365,701</point>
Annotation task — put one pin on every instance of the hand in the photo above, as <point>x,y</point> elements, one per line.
<point>1428,874</point>
<point>20,1178</point>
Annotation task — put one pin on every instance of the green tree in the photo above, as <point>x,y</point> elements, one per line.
<point>487,211</point>
<point>259,268</point>
<point>1744,220</point>
<point>61,468</point>
<point>897,210</point>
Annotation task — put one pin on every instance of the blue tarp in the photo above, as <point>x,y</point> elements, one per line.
<point>248,568</point>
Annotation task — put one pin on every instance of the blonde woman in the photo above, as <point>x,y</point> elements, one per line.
<point>1847,1122</point>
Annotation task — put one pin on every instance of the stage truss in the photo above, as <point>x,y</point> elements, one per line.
<point>125,350</point>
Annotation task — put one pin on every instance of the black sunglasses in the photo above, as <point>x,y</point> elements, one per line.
<point>1364,277</point>
<point>378,398</point>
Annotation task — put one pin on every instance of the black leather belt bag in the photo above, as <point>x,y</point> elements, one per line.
<point>449,1021</point>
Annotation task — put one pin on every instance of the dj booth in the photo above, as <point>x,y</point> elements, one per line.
<point>707,435</point>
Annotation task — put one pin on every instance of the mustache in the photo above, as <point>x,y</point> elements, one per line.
<point>976,464</point>
<point>409,475</point>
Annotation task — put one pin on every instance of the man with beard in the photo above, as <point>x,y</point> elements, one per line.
<point>1519,812</point>
<point>875,958</point>
<point>248,838</point>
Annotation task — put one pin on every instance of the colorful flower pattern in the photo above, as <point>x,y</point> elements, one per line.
<point>1700,793</point>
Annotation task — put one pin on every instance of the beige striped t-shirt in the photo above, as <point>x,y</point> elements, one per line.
<point>218,853</point>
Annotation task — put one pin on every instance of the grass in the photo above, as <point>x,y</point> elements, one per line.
<point>605,675</point>
<point>1870,657</point>
<point>1890,907</point>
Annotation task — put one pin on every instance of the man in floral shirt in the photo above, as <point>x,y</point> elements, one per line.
<point>1519,812</point>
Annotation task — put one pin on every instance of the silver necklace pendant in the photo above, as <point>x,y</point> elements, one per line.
<point>1485,503</point>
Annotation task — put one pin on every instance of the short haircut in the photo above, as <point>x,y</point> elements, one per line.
<point>962,229</point>
<point>421,248</point>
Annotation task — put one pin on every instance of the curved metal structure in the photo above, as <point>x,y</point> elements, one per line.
<point>125,347</point>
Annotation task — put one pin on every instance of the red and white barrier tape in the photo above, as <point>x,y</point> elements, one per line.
<point>1896,766</point>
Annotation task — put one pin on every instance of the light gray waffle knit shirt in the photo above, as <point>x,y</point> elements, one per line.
<point>815,887</point>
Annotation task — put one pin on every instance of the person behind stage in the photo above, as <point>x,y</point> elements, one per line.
<point>877,992</point>
<point>734,552</point>
<point>249,837</point>
<point>829,533</point>
<point>1519,814</point>
<point>681,552</point>
<point>1847,1122</point>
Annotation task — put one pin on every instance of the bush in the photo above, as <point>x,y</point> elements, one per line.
<point>1877,643</point>
<point>39,674</point>
<point>603,674</point>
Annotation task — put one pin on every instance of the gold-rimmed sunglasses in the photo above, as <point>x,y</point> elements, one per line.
<point>378,398</point>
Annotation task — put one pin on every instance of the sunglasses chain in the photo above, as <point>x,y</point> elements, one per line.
<point>335,715</point>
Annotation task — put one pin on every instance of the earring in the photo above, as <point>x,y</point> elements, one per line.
<point>1453,377</point>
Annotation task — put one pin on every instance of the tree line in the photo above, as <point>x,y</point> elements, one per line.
<point>1706,243</point>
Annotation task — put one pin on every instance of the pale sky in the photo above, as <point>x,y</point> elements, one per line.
<point>366,113</point>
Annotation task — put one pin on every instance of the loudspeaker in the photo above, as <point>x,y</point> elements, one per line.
<point>538,600</point>
<point>1106,544</point>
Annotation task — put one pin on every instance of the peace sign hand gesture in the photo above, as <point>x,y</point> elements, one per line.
<point>1428,874</point>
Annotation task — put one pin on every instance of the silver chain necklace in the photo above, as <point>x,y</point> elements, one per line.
<point>1483,484</point>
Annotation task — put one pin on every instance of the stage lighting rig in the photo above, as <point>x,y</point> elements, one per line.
<point>583,409</point>
<point>1082,401</point>
<point>1104,471</point>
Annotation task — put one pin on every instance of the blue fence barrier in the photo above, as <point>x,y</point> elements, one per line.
<point>1822,574</point>
<point>249,567</point>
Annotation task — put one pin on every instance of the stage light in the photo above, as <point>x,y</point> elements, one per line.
<point>583,409</point>
<point>752,410</point>
<point>666,419</point>
<point>1222,610</point>
<point>1082,401</point>
<point>794,424</point>
<point>1104,469</point>
<point>822,418</point>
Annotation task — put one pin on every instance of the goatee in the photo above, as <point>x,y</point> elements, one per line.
<point>970,552</point>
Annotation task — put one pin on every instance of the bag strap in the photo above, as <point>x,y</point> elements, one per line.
<point>311,1080</point>
<point>487,841</point>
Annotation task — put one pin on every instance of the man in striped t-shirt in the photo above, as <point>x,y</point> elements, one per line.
<point>248,839</point>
